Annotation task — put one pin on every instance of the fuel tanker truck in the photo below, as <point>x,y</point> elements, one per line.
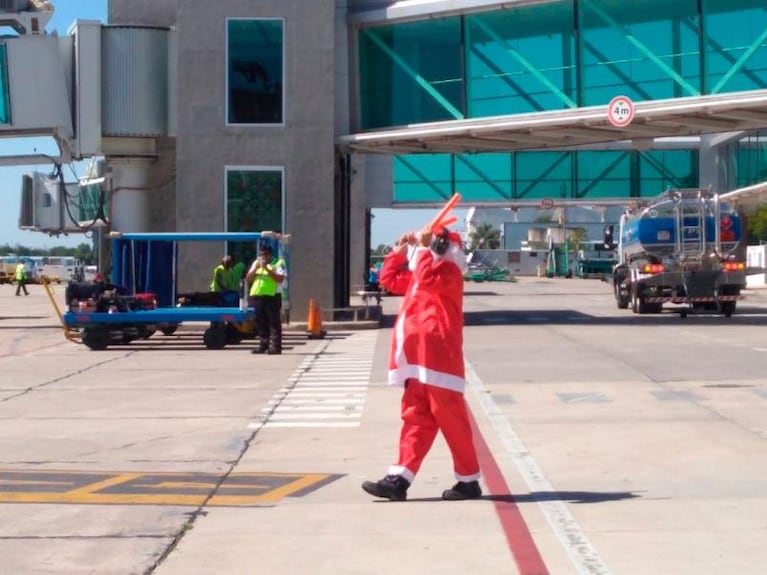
<point>685,249</point>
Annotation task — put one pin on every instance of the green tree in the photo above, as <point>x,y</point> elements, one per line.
<point>757,226</point>
<point>485,236</point>
<point>577,238</point>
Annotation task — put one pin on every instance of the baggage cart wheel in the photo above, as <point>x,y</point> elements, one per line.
<point>169,329</point>
<point>95,338</point>
<point>215,337</point>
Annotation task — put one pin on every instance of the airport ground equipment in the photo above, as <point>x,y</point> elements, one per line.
<point>685,249</point>
<point>142,296</point>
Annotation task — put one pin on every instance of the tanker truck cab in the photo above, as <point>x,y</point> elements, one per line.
<point>685,250</point>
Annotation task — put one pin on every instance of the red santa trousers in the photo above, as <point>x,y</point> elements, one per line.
<point>427,409</point>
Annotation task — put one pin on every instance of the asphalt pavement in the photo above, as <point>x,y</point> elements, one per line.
<point>598,456</point>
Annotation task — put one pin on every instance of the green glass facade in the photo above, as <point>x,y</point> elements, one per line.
<point>555,56</point>
<point>254,202</point>
<point>746,160</point>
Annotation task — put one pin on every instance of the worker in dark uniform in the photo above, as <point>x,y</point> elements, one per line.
<point>264,277</point>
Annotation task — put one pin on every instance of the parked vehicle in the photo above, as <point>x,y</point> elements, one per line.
<point>686,249</point>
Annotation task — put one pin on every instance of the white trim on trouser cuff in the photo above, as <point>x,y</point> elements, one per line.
<point>403,471</point>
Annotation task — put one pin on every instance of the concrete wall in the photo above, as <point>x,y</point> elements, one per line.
<point>304,147</point>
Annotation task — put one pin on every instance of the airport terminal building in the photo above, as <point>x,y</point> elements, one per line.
<point>300,116</point>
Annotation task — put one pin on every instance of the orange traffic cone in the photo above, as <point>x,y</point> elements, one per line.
<point>314,323</point>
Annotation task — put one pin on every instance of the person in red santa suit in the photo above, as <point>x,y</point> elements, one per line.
<point>427,359</point>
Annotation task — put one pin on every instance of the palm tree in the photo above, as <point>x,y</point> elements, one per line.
<point>485,236</point>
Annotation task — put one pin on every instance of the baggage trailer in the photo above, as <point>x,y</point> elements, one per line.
<point>142,297</point>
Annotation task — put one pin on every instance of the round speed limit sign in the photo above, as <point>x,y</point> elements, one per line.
<point>620,111</point>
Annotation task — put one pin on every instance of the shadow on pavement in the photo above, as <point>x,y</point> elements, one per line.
<point>540,496</point>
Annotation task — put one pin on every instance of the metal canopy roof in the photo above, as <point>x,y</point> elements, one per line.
<point>748,198</point>
<point>571,128</point>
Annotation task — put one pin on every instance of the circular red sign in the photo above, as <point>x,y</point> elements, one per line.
<point>620,111</point>
<point>547,204</point>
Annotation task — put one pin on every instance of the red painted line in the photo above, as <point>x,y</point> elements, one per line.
<point>521,543</point>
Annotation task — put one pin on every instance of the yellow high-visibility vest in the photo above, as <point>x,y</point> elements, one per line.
<point>263,283</point>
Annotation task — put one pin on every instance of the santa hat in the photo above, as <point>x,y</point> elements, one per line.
<point>452,237</point>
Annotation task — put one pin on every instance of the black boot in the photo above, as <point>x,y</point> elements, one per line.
<point>463,490</point>
<point>391,487</point>
<point>263,345</point>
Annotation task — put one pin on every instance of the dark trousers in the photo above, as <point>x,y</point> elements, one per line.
<point>267,309</point>
<point>22,285</point>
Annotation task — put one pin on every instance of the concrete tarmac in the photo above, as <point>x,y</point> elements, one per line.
<point>602,451</point>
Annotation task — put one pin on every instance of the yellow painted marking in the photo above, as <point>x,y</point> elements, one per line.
<point>33,482</point>
<point>111,498</point>
<point>108,482</point>
<point>211,486</point>
<point>262,490</point>
<point>280,492</point>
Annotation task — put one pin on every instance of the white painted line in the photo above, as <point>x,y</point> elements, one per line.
<point>279,416</point>
<point>319,400</point>
<point>324,382</point>
<point>328,392</point>
<point>579,549</point>
<point>759,348</point>
<point>304,408</point>
<point>311,424</point>
<point>329,377</point>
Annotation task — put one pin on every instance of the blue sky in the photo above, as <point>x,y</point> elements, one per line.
<point>386,227</point>
<point>65,13</point>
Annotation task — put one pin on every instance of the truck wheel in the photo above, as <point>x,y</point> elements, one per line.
<point>728,308</point>
<point>95,338</point>
<point>623,303</point>
<point>638,304</point>
<point>215,337</point>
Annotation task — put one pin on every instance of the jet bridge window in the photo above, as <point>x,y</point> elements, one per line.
<point>5,101</point>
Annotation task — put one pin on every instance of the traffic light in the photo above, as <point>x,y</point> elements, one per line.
<point>608,240</point>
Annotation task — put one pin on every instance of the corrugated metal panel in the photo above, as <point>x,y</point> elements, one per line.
<point>13,5</point>
<point>135,81</point>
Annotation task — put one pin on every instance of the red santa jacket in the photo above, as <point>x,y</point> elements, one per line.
<point>427,343</point>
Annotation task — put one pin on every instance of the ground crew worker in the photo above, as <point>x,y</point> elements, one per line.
<point>238,274</point>
<point>21,278</point>
<point>265,276</point>
<point>222,276</point>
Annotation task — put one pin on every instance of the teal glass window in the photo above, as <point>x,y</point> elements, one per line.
<point>255,54</point>
<point>484,176</point>
<point>748,160</point>
<point>543,175</point>
<point>5,99</point>
<point>423,177</point>
<point>533,176</point>
<point>521,60</point>
<point>660,170</point>
<point>254,203</point>
<point>411,73</point>
<point>735,40</point>
<point>647,51</point>
<point>605,174</point>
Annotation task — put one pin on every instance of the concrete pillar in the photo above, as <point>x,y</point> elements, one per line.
<point>710,166</point>
<point>130,205</point>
